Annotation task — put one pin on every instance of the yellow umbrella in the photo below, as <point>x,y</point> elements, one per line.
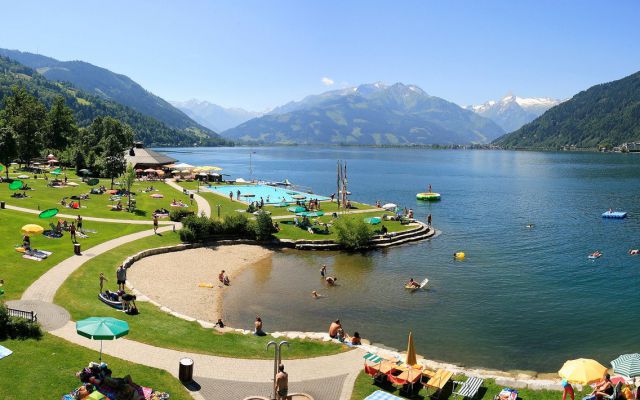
<point>411,352</point>
<point>32,229</point>
<point>582,371</point>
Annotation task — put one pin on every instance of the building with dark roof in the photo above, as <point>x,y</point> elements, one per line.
<point>144,158</point>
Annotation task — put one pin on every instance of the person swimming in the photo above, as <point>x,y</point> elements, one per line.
<point>634,252</point>
<point>530,225</point>
<point>331,280</point>
<point>413,283</point>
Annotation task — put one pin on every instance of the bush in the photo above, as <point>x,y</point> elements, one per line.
<point>179,214</point>
<point>353,234</point>
<point>17,328</point>
<point>238,225</point>
<point>263,227</point>
<point>187,235</point>
<point>199,225</point>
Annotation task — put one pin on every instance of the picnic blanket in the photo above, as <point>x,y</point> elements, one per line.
<point>380,395</point>
<point>4,352</point>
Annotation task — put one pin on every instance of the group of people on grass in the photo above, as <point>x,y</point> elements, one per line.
<point>127,300</point>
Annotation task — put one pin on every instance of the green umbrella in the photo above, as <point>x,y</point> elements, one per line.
<point>2,167</point>
<point>102,328</point>
<point>311,214</point>
<point>373,220</point>
<point>296,209</point>
<point>627,365</point>
<point>48,213</point>
<point>56,172</point>
<point>93,182</point>
<point>15,185</point>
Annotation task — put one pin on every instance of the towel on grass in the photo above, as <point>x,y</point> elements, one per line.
<point>4,352</point>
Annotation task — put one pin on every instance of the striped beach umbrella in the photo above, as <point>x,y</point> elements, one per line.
<point>627,365</point>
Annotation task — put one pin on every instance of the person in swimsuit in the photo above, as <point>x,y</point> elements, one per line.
<point>413,283</point>
<point>603,388</point>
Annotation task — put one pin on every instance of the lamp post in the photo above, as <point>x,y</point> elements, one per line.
<point>218,206</point>
<point>277,359</point>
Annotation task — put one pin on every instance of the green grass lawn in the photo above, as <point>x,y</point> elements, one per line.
<point>79,296</point>
<point>45,369</point>
<point>18,273</point>
<point>293,232</point>
<point>290,231</point>
<point>364,386</point>
<point>43,197</point>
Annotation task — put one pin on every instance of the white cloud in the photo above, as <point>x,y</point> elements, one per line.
<point>327,81</point>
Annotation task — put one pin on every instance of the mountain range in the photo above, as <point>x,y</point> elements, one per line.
<point>370,114</point>
<point>103,83</point>
<point>86,107</point>
<point>512,112</point>
<point>603,115</point>
<point>213,116</point>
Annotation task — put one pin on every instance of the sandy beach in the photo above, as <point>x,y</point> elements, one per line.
<point>172,279</point>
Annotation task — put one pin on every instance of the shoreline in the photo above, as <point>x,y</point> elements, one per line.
<point>515,378</point>
<point>175,274</point>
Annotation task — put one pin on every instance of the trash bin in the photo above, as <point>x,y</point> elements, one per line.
<point>185,372</point>
<point>2,205</point>
<point>76,249</point>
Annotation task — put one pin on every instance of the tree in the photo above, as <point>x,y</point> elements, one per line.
<point>112,161</point>
<point>353,234</point>
<point>263,227</point>
<point>128,178</point>
<point>25,115</point>
<point>114,138</point>
<point>8,149</point>
<point>60,126</point>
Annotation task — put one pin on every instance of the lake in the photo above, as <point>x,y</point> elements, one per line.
<point>522,299</point>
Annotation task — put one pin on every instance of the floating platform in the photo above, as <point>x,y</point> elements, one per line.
<point>614,214</point>
<point>428,196</point>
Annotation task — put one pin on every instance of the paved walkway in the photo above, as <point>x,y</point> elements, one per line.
<point>203,205</point>
<point>331,377</point>
<point>50,316</point>
<point>97,219</point>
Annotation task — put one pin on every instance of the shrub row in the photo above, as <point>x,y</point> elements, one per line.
<point>198,228</point>
<point>17,328</point>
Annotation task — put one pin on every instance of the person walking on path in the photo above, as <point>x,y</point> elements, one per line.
<point>121,275</point>
<point>282,383</point>
<point>429,220</point>
<point>72,232</point>
<point>79,223</point>
<point>155,224</point>
<point>102,280</point>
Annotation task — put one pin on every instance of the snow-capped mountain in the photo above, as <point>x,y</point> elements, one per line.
<point>511,112</point>
<point>369,114</point>
<point>214,116</point>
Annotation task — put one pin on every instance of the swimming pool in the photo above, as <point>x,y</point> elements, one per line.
<point>270,194</point>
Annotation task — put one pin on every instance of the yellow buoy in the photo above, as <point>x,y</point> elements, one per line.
<point>459,255</point>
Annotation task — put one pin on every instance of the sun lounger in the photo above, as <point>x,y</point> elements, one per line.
<point>469,388</point>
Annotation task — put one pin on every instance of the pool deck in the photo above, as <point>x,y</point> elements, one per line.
<point>234,188</point>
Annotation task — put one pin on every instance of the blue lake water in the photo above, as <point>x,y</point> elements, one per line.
<point>522,298</point>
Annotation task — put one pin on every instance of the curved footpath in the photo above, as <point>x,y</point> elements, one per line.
<point>329,377</point>
<point>203,205</point>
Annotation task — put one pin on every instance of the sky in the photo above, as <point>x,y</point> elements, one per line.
<point>260,54</point>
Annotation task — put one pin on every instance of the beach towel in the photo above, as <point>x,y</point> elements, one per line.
<point>28,257</point>
<point>4,352</point>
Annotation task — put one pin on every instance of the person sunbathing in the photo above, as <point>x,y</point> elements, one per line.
<point>603,388</point>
